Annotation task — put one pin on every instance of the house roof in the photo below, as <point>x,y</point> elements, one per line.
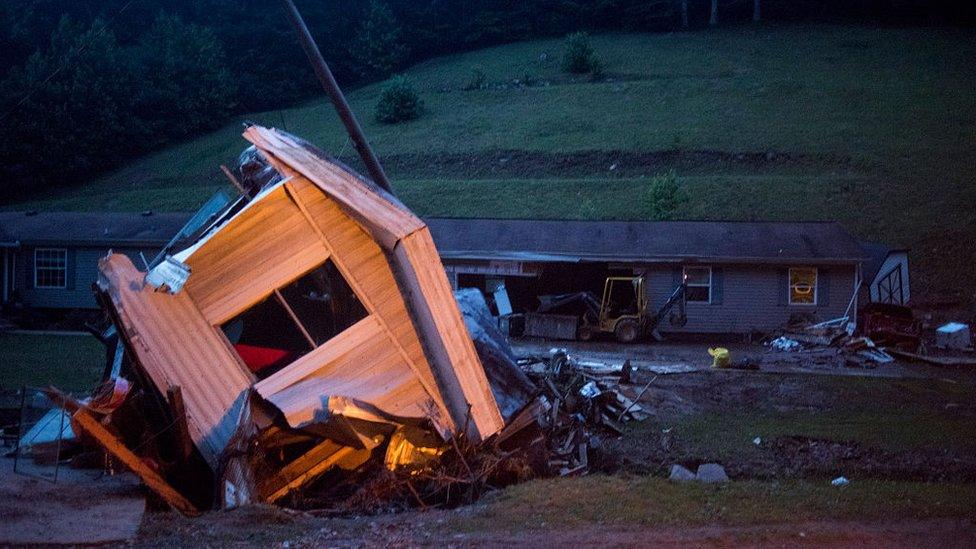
<point>508,239</point>
<point>722,241</point>
<point>83,228</point>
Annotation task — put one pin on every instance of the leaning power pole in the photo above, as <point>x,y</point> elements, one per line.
<point>338,100</point>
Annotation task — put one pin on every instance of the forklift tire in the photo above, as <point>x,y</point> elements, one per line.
<point>627,331</point>
<point>585,333</point>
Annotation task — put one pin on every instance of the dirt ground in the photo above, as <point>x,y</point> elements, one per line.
<point>814,417</point>
<point>81,506</point>
<point>433,529</point>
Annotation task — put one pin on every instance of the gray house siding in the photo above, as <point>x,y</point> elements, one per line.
<point>82,271</point>
<point>750,297</point>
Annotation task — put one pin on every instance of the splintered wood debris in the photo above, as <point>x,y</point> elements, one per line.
<point>307,329</point>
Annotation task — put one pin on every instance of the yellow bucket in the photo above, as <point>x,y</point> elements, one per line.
<point>720,357</point>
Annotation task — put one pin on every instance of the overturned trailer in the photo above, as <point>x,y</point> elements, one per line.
<point>306,328</point>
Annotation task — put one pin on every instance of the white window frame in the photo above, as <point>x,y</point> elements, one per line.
<point>64,254</point>
<point>816,286</point>
<point>711,287</point>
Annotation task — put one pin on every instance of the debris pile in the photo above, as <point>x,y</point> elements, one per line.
<point>301,345</point>
<point>836,336</point>
<point>304,331</point>
<point>587,402</point>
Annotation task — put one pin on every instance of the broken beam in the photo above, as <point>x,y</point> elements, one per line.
<point>86,422</point>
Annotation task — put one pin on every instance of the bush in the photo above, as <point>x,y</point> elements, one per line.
<point>579,57</point>
<point>665,196</point>
<point>398,102</point>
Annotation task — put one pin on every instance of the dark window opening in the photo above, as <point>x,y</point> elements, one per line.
<point>293,320</point>
<point>323,302</point>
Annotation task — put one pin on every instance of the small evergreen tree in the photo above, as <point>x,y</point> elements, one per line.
<point>665,196</point>
<point>579,57</point>
<point>398,102</point>
<point>377,48</point>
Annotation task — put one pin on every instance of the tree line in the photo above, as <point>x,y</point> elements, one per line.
<point>88,84</point>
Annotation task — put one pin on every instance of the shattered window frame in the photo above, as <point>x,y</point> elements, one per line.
<point>313,338</point>
<point>801,290</point>
<point>687,273</point>
<point>51,268</point>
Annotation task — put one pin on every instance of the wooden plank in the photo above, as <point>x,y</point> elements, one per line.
<point>87,423</point>
<point>178,408</point>
<point>934,360</point>
<point>459,372</point>
<point>312,466</point>
<point>384,217</point>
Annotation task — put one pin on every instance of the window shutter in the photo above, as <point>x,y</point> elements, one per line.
<point>823,287</point>
<point>718,285</point>
<point>71,261</point>
<point>29,258</point>
<point>783,287</point>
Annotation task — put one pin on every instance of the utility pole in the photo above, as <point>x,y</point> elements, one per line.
<point>332,89</point>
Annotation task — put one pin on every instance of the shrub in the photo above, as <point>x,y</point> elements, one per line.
<point>398,102</point>
<point>579,57</point>
<point>665,196</point>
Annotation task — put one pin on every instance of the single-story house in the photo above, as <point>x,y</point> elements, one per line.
<point>50,258</point>
<point>742,276</point>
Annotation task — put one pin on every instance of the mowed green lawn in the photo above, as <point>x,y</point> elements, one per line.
<point>878,127</point>
<point>73,363</point>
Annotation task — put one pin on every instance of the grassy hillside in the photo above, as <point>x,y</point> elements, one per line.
<point>873,127</point>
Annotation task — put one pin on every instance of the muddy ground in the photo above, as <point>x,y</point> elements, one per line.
<point>814,420</point>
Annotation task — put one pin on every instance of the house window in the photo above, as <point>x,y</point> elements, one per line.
<point>803,286</point>
<point>699,282</point>
<point>293,320</point>
<point>51,268</point>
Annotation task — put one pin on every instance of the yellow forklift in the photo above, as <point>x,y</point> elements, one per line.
<point>623,310</point>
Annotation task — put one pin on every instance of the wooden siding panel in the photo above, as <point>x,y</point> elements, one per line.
<point>365,266</point>
<point>177,346</point>
<point>453,355</point>
<point>751,299</point>
<point>386,220</point>
<point>261,249</point>
<point>361,365</point>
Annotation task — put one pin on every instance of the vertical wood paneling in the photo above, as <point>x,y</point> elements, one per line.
<point>177,346</point>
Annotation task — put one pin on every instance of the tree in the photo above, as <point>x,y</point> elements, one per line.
<point>713,14</point>
<point>68,109</point>
<point>684,14</point>
<point>187,86</point>
<point>377,48</point>
<point>756,10</point>
<point>665,196</point>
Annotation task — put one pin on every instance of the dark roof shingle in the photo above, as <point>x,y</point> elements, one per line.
<point>81,228</point>
<point>530,239</point>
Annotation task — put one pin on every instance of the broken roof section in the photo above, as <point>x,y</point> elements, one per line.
<point>324,294</point>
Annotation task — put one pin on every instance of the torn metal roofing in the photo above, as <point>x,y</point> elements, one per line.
<point>644,241</point>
